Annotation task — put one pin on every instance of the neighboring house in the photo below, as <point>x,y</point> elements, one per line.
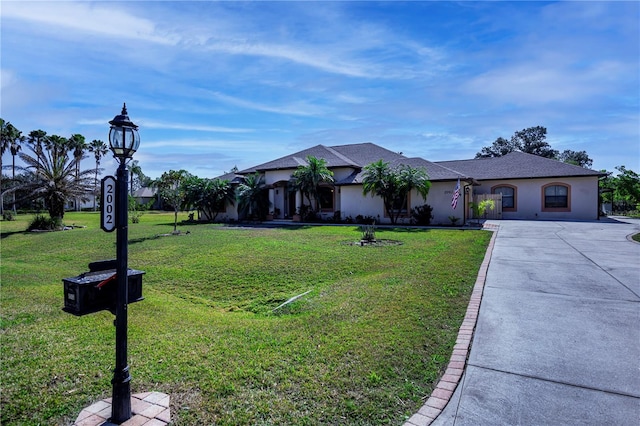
<point>86,204</point>
<point>525,186</point>
<point>146,195</point>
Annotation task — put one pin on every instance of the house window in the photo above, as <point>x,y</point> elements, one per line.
<point>326,198</point>
<point>508,196</point>
<point>556,197</point>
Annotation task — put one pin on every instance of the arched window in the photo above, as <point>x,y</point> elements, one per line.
<point>509,193</point>
<point>556,197</point>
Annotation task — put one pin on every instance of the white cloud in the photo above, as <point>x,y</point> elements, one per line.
<point>99,18</point>
<point>7,78</point>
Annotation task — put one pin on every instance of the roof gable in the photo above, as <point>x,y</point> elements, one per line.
<point>355,156</point>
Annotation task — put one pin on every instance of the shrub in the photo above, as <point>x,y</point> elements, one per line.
<point>365,220</point>
<point>44,223</point>
<point>480,209</point>
<point>134,216</point>
<point>368,232</point>
<point>308,215</point>
<point>8,215</point>
<point>421,215</point>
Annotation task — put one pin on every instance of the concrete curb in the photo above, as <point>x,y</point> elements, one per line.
<point>449,381</point>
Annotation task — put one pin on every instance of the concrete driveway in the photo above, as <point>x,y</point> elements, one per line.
<point>557,340</point>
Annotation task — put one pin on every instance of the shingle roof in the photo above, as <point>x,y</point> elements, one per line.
<point>435,171</point>
<point>516,165</point>
<point>356,155</point>
<point>232,177</point>
<point>145,192</point>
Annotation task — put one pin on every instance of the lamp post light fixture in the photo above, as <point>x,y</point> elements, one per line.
<point>123,141</point>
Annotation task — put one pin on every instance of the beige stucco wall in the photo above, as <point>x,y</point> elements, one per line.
<point>353,203</point>
<point>273,176</point>
<point>529,198</point>
<point>440,196</point>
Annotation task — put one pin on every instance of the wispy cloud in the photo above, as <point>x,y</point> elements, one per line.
<point>86,17</point>
<point>301,108</point>
<point>151,124</point>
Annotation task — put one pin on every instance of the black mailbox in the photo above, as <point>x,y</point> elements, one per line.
<point>97,290</point>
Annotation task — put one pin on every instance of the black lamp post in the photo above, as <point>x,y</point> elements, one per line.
<point>123,141</point>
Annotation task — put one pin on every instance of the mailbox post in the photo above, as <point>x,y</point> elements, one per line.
<point>123,141</point>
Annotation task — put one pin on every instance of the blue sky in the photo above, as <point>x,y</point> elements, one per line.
<point>214,85</point>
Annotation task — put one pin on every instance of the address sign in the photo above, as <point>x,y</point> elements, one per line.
<point>108,204</point>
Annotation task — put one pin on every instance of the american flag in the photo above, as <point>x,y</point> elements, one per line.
<point>456,194</point>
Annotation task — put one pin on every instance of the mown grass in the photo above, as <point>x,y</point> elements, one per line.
<point>364,347</point>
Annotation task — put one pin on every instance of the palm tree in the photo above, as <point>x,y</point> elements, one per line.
<point>79,145</point>
<point>51,175</point>
<point>411,178</point>
<point>253,200</point>
<point>134,170</point>
<point>37,138</point>
<point>55,147</point>
<point>308,178</point>
<point>393,185</point>
<point>15,148</point>
<point>8,139</point>
<point>99,149</point>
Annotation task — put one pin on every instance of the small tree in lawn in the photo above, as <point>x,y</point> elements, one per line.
<point>209,196</point>
<point>171,189</point>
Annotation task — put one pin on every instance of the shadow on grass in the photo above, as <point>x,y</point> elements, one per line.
<point>143,239</point>
<point>186,223</point>
<point>4,235</point>
<point>307,225</point>
<point>402,229</point>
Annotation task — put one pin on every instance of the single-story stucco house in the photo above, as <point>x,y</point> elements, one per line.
<point>524,186</point>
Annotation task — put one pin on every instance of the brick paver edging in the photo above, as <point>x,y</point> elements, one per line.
<point>147,409</point>
<point>449,381</point>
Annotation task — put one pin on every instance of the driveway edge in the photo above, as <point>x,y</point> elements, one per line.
<point>441,395</point>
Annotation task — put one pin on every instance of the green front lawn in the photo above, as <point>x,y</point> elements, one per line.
<point>364,347</point>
